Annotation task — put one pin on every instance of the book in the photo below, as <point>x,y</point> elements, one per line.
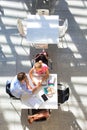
<point>45,90</point>
<point>51,81</point>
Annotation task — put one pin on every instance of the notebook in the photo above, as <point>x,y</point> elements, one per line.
<point>35,102</point>
<point>51,81</point>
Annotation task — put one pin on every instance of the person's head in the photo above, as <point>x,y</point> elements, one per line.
<point>38,65</point>
<point>21,76</point>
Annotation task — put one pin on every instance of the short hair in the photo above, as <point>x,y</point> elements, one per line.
<point>21,76</point>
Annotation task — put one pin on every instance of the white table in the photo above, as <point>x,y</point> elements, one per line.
<point>51,103</point>
<point>43,29</point>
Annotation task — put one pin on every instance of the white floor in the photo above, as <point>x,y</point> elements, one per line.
<point>69,61</point>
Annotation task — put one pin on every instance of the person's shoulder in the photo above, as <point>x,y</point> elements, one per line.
<point>44,65</point>
<point>14,81</point>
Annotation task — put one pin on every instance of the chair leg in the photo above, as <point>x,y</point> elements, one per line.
<point>2,55</point>
<point>23,46</point>
<point>11,102</point>
<point>21,41</point>
<point>65,42</point>
<point>63,39</point>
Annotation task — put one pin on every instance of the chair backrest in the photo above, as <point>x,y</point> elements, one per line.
<point>8,91</point>
<point>20,27</point>
<point>43,12</point>
<point>65,25</point>
<point>63,28</point>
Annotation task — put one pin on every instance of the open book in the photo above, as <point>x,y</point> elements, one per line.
<point>35,102</point>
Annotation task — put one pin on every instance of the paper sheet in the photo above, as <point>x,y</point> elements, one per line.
<point>35,102</point>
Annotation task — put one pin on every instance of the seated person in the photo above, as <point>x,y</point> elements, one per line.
<point>20,84</point>
<point>39,71</point>
<point>43,114</point>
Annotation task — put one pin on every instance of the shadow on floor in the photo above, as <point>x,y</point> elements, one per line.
<point>57,116</point>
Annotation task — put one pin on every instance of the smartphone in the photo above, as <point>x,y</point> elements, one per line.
<point>44,97</point>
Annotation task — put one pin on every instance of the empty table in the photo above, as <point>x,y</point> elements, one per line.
<point>43,29</point>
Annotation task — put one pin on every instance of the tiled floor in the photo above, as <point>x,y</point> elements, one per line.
<point>69,61</point>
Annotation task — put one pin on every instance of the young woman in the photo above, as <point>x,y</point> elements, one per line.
<point>39,73</point>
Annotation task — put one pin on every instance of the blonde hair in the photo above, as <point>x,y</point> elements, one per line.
<point>38,64</point>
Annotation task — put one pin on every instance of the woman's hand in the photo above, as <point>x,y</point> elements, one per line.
<point>39,83</point>
<point>33,82</point>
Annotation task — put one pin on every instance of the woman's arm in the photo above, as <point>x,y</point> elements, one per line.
<point>46,76</point>
<point>36,87</point>
<point>27,83</point>
<point>31,75</point>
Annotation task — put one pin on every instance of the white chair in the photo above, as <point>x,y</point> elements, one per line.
<point>21,25</point>
<point>21,30</point>
<point>62,30</point>
<point>42,12</point>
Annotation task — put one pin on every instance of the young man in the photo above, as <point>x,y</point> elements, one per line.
<point>21,84</point>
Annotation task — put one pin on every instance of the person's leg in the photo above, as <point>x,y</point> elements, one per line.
<point>43,114</point>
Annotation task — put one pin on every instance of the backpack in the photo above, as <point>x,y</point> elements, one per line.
<point>63,93</point>
<point>42,57</point>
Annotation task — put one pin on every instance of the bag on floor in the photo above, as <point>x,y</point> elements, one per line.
<point>63,93</point>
